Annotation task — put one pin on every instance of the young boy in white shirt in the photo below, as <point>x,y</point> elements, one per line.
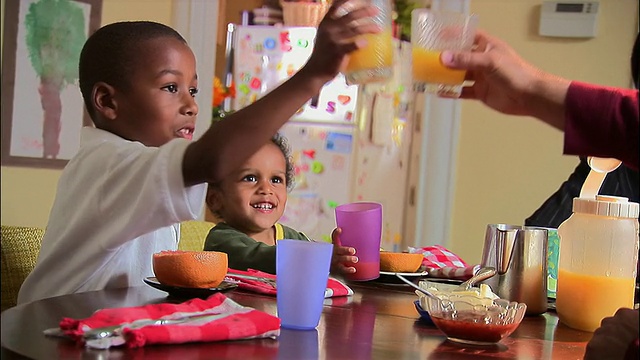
<point>136,175</point>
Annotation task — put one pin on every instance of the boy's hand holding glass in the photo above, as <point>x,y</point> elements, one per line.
<point>338,35</point>
<point>374,61</point>
<point>342,255</point>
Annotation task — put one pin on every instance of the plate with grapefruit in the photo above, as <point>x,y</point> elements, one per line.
<point>390,277</point>
<point>189,292</point>
<point>405,264</point>
<point>190,273</point>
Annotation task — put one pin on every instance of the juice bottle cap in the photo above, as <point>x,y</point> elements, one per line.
<point>606,205</point>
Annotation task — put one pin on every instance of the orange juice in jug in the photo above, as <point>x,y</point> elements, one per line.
<point>598,260</point>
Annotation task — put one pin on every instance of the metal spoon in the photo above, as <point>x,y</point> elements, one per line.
<point>482,274</point>
<point>416,286</point>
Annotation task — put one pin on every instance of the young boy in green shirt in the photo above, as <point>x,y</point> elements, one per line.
<point>249,203</point>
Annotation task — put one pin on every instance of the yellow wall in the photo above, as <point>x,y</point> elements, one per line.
<point>507,166</point>
<point>123,10</point>
<point>27,194</point>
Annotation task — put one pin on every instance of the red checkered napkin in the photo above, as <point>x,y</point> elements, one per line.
<point>454,273</point>
<point>228,321</point>
<point>442,263</point>
<point>334,287</point>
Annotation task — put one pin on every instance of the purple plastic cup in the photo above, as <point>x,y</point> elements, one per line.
<point>361,224</point>
<point>302,272</point>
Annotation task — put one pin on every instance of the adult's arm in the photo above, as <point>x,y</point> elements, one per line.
<point>602,121</point>
<point>599,121</point>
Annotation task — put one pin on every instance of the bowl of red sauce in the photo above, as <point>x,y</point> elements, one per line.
<point>464,319</point>
<point>424,314</point>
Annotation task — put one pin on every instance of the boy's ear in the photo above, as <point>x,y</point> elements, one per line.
<point>213,200</point>
<point>104,100</point>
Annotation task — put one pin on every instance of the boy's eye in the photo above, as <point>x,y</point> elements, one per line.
<point>277,180</point>
<point>250,178</point>
<point>193,91</point>
<point>171,88</point>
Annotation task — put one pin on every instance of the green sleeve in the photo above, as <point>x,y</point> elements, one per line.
<point>290,233</point>
<point>243,251</point>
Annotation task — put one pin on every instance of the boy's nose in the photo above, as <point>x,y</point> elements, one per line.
<point>190,107</point>
<point>264,187</point>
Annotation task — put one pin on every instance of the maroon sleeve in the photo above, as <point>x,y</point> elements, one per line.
<point>602,121</point>
<point>632,351</point>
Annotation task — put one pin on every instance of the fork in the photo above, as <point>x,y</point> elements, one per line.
<point>256,278</point>
<point>108,331</point>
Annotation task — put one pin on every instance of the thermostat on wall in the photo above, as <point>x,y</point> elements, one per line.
<point>569,19</point>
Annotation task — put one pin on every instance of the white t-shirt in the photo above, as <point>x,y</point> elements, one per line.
<point>117,203</point>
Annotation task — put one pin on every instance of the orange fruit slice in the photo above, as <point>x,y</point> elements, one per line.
<point>194,269</point>
<point>400,262</point>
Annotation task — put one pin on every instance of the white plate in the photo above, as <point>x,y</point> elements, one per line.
<point>422,273</point>
<point>388,277</point>
<point>186,292</point>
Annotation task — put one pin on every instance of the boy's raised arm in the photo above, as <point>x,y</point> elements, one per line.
<point>231,141</point>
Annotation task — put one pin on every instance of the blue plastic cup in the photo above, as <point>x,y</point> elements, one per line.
<point>298,344</point>
<point>302,272</point>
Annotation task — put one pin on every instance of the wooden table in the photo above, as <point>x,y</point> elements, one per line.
<point>377,322</point>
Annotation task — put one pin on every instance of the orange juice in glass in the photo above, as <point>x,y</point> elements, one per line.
<point>428,68</point>
<point>431,33</point>
<point>374,62</point>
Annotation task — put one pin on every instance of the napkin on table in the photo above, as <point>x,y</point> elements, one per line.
<point>233,322</point>
<point>334,286</point>
<point>442,263</point>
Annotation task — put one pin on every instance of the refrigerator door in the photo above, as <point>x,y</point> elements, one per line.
<point>382,150</point>
<point>322,156</point>
<point>265,56</point>
<point>349,143</point>
<point>321,135</point>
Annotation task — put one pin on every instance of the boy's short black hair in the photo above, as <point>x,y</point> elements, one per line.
<point>283,144</point>
<point>109,55</point>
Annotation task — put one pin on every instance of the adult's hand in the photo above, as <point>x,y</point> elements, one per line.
<point>615,336</point>
<point>507,83</point>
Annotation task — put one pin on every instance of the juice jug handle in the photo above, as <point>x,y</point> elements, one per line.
<point>600,167</point>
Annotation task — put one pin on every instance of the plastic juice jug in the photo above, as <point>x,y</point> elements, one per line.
<point>598,258</point>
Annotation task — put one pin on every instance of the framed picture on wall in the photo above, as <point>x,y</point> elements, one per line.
<point>42,107</point>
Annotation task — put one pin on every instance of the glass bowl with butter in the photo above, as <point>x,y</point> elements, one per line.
<point>476,316</point>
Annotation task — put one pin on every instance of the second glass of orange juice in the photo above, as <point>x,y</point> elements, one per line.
<point>431,33</point>
<point>374,62</point>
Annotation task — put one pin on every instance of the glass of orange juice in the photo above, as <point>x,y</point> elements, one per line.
<point>431,33</point>
<point>374,62</point>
